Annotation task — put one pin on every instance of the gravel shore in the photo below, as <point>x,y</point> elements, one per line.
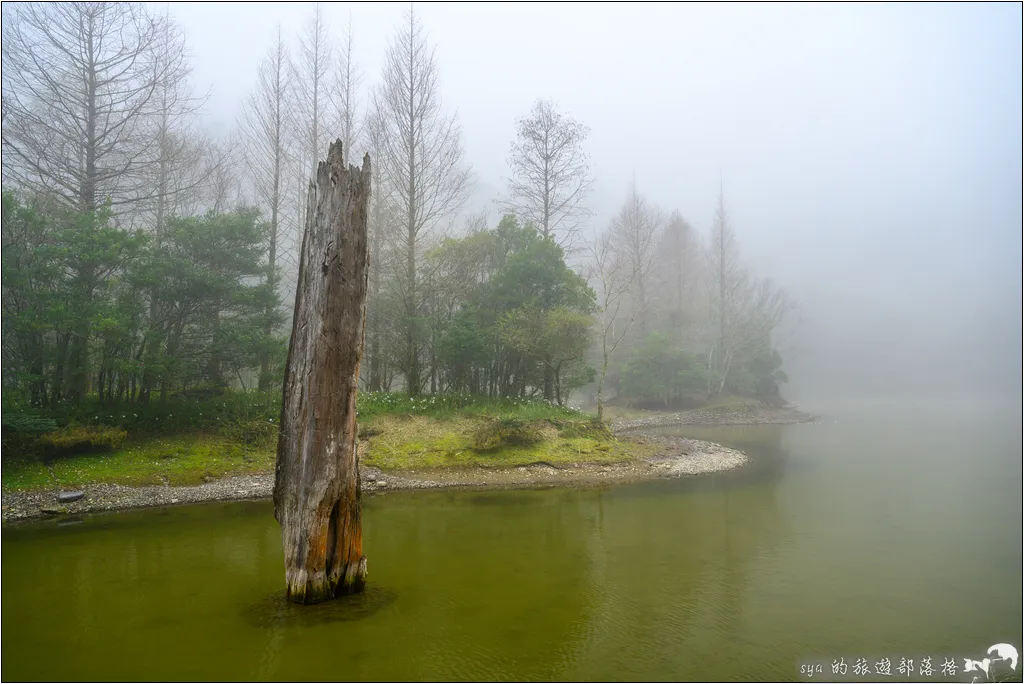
<point>678,457</point>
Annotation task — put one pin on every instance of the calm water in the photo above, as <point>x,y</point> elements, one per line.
<point>895,529</point>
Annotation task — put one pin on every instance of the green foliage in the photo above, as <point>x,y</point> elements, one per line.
<point>415,442</point>
<point>206,408</point>
<point>495,433</point>
<point>27,423</point>
<point>372,404</point>
<point>592,428</point>
<point>213,301</point>
<point>463,347</point>
<point>75,438</point>
<point>250,418</point>
<point>184,459</point>
<point>661,372</point>
<point>21,433</point>
<point>509,316</point>
<point>94,309</point>
<point>255,432</point>
<point>66,287</point>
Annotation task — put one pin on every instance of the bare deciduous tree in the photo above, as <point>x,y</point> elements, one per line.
<point>265,121</point>
<point>634,231</point>
<point>98,109</point>
<point>224,188</point>
<point>382,223</point>
<point>182,164</point>
<point>312,72</point>
<point>550,172</point>
<point>677,270</point>
<point>421,159</point>
<point>743,311</point>
<point>79,83</point>
<point>345,99</point>
<point>727,280</point>
<point>611,278</point>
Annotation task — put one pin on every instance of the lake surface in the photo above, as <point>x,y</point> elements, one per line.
<point>886,530</point>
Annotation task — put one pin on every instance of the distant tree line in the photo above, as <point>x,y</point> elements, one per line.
<point>142,257</point>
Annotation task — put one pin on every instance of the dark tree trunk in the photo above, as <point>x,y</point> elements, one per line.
<point>316,491</point>
<point>376,367</point>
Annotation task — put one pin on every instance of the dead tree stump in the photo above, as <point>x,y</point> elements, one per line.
<point>316,486</point>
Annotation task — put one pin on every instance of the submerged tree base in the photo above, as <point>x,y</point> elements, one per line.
<point>301,587</point>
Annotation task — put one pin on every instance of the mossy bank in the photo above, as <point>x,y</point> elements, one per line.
<point>406,445</point>
<point>638,459</point>
<point>396,452</point>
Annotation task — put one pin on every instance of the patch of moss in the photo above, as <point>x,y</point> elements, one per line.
<point>424,443</point>
<point>253,431</point>
<point>585,427</point>
<point>75,438</point>
<point>25,473</point>
<point>495,433</point>
<point>390,441</point>
<point>180,460</point>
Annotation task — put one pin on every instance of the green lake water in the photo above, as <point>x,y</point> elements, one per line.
<point>885,530</point>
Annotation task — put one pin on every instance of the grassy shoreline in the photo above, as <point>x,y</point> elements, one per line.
<point>397,434</point>
<point>672,457</point>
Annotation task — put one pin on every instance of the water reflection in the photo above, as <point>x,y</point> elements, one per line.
<point>275,612</point>
<point>684,547</point>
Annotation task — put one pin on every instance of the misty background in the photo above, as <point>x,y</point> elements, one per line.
<point>870,154</point>
<point>867,159</point>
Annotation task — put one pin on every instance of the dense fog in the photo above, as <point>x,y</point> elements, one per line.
<point>867,158</point>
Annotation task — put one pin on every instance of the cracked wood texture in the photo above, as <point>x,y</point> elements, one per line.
<point>316,486</point>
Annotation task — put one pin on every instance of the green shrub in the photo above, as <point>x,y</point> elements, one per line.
<point>27,422</point>
<point>661,373</point>
<point>592,428</point>
<point>500,432</point>
<point>253,431</point>
<point>458,403</point>
<point>75,438</point>
<point>20,434</point>
<point>199,409</point>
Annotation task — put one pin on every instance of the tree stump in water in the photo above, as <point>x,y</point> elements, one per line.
<point>316,487</point>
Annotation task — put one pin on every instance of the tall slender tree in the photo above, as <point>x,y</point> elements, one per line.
<point>181,165</point>
<point>345,112</point>
<point>611,279</point>
<point>421,158</point>
<point>744,311</point>
<point>727,281</point>
<point>312,74</point>
<point>265,121</point>
<point>676,274</point>
<point>634,231</point>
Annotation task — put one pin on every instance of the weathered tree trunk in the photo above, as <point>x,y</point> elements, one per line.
<point>316,491</point>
